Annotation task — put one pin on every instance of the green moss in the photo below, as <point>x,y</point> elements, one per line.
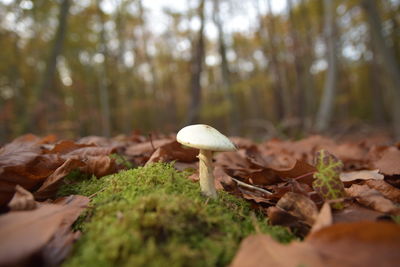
<point>155,216</point>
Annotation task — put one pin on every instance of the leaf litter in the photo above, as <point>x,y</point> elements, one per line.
<point>297,184</point>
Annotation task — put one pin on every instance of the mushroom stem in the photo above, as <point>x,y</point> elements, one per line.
<point>206,173</point>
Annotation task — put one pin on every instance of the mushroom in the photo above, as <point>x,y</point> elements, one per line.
<point>207,139</point>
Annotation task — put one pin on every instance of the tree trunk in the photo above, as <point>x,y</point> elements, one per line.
<point>196,70</point>
<point>45,91</point>
<point>123,107</point>
<point>234,120</point>
<point>103,77</point>
<point>326,107</point>
<point>299,100</point>
<point>308,59</point>
<point>148,58</point>
<point>389,63</point>
<point>374,73</point>
<point>281,96</point>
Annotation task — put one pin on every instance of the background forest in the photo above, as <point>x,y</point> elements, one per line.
<point>107,67</point>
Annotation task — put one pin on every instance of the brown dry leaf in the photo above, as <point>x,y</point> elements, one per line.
<point>261,176</point>
<point>361,175</point>
<point>222,180</point>
<point>324,218</point>
<point>18,153</point>
<point>278,216</point>
<point>141,152</point>
<point>366,244</point>
<point>21,163</point>
<point>23,233</point>
<point>22,200</point>
<point>262,250</point>
<point>389,191</point>
<point>370,243</point>
<point>51,184</point>
<point>100,141</point>
<point>356,213</point>
<point>86,152</point>
<point>389,163</point>
<point>299,206</point>
<point>233,161</point>
<point>300,170</point>
<point>371,198</point>
<point>241,142</point>
<point>99,166</point>
<point>66,146</point>
<point>174,151</point>
<point>60,245</point>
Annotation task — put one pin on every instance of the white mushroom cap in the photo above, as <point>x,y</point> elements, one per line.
<point>202,136</point>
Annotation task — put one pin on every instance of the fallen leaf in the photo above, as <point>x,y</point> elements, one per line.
<point>387,190</point>
<point>22,200</point>
<point>174,151</point>
<point>18,153</point>
<point>60,246</point>
<point>356,213</point>
<point>366,244</point>
<point>299,206</point>
<point>21,163</point>
<point>371,198</point>
<point>99,166</point>
<point>361,175</point>
<point>370,243</point>
<point>262,250</point>
<point>141,152</point>
<point>51,184</point>
<point>278,216</point>
<point>66,146</point>
<point>389,163</point>
<point>324,218</point>
<point>23,233</point>
<point>86,152</point>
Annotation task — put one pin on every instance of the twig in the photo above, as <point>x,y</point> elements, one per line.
<point>151,142</point>
<point>94,194</point>
<point>304,175</point>
<point>252,186</point>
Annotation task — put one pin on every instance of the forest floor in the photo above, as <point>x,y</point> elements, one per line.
<point>317,201</point>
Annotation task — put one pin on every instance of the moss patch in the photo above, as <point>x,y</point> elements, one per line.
<point>155,216</point>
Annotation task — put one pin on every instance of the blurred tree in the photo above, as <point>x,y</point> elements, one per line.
<point>198,52</point>
<point>102,74</point>
<point>326,106</point>
<point>388,60</point>
<point>46,91</point>
<point>234,119</point>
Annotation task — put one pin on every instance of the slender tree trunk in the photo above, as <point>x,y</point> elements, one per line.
<point>308,59</point>
<point>299,100</point>
<point>234,121</point>
<point>46,91</point>
<point>147,56</point>
<point>197,69</point>
<point>281,96</point>
<point>123,101</point>
<point>103,77</point>
<point>378,110</point>
<point>389,63</point>
<point>326,107</point>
